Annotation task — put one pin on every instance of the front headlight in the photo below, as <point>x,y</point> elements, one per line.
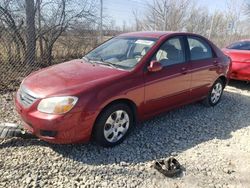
<point>57,105</point>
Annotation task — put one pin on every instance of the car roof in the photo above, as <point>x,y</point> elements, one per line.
<point>155,34</point>
<point>244,40</point>
<point>147,34</point>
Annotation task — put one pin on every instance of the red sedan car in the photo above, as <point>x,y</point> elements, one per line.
<point>127,79</point>
<point>239,52</point>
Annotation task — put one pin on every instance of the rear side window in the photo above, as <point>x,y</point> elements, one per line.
<point>199,49</point>
<point>243,45</point>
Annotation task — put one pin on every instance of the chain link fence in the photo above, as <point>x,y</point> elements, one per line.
<point>67,29</point>
<point>36,33</point>
<point>12,67</point>
<point>13,59</point>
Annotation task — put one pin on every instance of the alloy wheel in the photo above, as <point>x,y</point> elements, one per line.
<point>116,126</point>
<point>216,93</point>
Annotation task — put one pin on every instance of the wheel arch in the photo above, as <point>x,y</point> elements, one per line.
<point>224,80</point>
<point>131,104</point>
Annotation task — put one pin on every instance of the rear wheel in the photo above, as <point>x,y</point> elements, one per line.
<point>113,125</point>
<point>214,94</point>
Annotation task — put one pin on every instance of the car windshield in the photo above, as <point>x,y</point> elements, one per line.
<point>121,52</point>
<point>243,45</point>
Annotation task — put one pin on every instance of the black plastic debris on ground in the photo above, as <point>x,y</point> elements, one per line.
<point>9,130</point>
<point>169,168</point>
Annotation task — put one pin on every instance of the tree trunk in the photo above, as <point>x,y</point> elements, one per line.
<point>39,29</point>
<point>30,32</point>
<point>49,55</point>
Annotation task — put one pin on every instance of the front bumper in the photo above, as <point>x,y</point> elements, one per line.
<point>73,127</point>
<point>239,76</point>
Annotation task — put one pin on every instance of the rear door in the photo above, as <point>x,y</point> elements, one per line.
<point>204,66</point>
<point>170,86</point>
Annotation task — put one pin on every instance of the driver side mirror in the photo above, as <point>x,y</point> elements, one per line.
<point>154,66</point>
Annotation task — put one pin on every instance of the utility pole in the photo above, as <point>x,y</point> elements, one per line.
<point>101,15</point>
<point>30,31</point>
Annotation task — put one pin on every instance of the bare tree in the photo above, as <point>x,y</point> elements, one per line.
<point>39,16</point>
<point>138,24</point>
<point>247,10</point>
<point>12,30</point>
<point>198,21</point>
<point>57,17</point>
<point>221,26</point>
<point>167,14</point>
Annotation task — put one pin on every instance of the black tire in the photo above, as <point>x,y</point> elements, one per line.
<point>8,131</point>
<point>208,101</point>
<point>101,123</point>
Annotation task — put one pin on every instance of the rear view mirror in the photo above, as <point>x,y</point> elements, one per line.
<point>154,66</point>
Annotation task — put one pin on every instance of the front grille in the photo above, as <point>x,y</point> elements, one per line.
<point>25,98</point>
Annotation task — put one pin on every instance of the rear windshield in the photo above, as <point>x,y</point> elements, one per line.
<point>243,45</point>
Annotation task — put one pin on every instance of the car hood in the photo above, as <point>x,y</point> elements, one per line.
<point>238,55</point>
<point>68,78</point>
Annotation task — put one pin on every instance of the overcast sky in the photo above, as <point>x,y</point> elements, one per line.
<point>121,10</point>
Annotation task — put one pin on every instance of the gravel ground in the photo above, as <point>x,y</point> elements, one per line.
<point>212,144</point>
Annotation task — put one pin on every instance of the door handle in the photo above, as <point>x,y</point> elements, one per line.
<point>215,62</point>
<point>184,70</point>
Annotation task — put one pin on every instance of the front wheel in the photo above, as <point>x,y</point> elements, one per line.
<point>214,94</point>
<point>113,125</point>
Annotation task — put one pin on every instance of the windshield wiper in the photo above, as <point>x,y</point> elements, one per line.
<point>100,60</point>
<point>93,60</point>
<point>85,58</point>
<point>108,64</point>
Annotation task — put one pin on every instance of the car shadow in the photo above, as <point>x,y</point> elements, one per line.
<point>240,84</point>
<point>165,135</point>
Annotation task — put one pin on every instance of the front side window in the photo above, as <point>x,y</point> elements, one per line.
<point>170,53</point>
<point>242,45</point>
<point>121,52</point>
<point>199,49</point>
